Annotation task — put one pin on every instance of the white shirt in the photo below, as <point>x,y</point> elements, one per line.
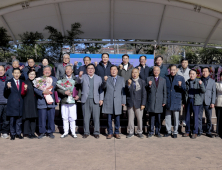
<point>69,77</point>
<point>91,76</point>
<point>16,82</point>
<point>125,67</point>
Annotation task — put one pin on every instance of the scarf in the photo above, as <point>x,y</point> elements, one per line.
<point>205,79</point>
<point>3,78</point>
<point>137,83</point>
<point>64,64</point>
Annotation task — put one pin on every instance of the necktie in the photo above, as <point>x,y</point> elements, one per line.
<point>114,81</point>
<point>156,78</point>
<point>17,84</point>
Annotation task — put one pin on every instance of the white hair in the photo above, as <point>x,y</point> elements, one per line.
<point>65,55</point>
<point>15,60</point>
<point>47,67</point>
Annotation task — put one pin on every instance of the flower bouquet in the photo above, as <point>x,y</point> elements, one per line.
<point>44,83</point>
<point>218,73</point>
<point>198,69</point>
<point>65,84</point>
<point>212,72</point>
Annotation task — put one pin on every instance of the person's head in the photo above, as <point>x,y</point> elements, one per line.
<point>2,71</point>
<point>31,62</point>
<point>45,62</point>
<point>184,63</point>
<point>135,73</point>
<point>156,71</point>
<point>205,71</point>
<point>69,70</point>
<point>86,60</point>
<point>47,70</point>
<point>142,60</point>
<point>158,60</point>
<point>193,74</point>
<point>66,58</point>
<point>15,63</point>
<point>105,58</point>
<point>16,72</point>
<point>90,69</point>
<point>31,74</point>
<point>125,58</point>
<point>173,70</point>
<point>113,70</point>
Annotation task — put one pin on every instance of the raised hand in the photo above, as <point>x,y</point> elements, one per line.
<point>25,86</point>
<point>200,82</point>
<point>105,78</point>
<point>96,63</point>
<point>120,66</point>
<point>129,82</point>
<point>150,83</point>
<point>75,63</point>
<point>139,68</point>
<point>9,84</point>
<point>80,74</point>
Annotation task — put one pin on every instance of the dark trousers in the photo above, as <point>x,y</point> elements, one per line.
<point>219,120</point>
<point>155,119</point>
<point>29,126</point>
<point>5,121</point>
<point>88,108</point>
<point>46,115</point>
<point>117,123</point>
<point>190,107</point>
<point>15,125</point>
<point>208,113</point>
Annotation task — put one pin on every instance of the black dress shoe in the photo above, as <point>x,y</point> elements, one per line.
<point>199,134</point>
<point>85,136</point>
<point>12,137</point>
<point>210,135</point>
<point>20,136</point>
<point>30,136</point>
<point>96,136</point>
<point>34,136</point>
<point>166,135</point>
<point>174,136</point>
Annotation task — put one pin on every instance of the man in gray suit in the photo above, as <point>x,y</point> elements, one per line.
<point>209,98</point>
<point>61,67</point>
<point>92,99</point>
<point>157,96</point>
<point>114,99</point>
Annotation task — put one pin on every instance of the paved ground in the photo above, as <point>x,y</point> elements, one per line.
<point>103,154</point>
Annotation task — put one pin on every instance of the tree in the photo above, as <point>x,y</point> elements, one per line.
<point>175,59</point>
<point>57,40</point>
<point>93,48</point>
<point>4,43</point>
<point>29,45</point>
<point>211,55</point>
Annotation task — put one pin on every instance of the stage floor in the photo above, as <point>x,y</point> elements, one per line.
<point>103,154</point>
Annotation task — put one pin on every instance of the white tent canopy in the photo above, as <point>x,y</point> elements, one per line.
<point>160,20</point>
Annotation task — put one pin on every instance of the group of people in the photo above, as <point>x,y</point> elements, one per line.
<point>109,89</point>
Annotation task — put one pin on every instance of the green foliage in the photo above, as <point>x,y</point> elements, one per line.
<point>5,47</point>
<point>211,55</point>
<point>93,48</point>
<point>175,59</point>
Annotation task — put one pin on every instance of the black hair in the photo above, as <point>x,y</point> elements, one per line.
<point>125,55</point>
<point>184,59</point>
<point>159,56</point>
<point>172,65</point>
<point>86,57</point>
<point>30,59</point>
<point>31,70</point>
<point>113,66</point>
<point>142,56</point>
<point>104,54</point>
<point>193,70</point>
<point>90,64</point>
<point>206,68</point>
<point>16,69</point>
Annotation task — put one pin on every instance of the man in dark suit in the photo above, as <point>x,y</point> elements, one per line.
<point>12,92</point>
<point>209,98</point>
<point>176,87</point>
<point>158,61</point>
<point>86,60</point>
<point>157,96</point>
<point>143,68</point>
<point>136,101</point>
